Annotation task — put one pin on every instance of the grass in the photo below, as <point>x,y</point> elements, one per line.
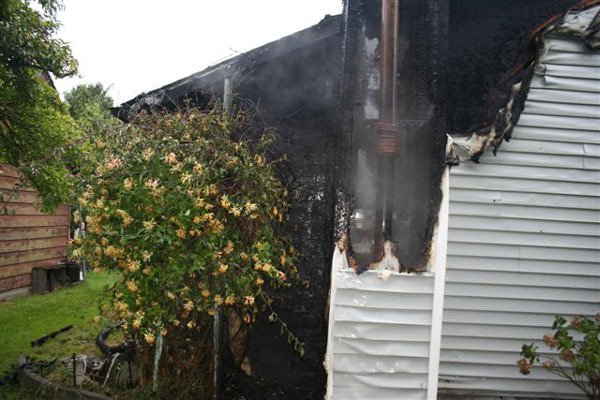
<point>29,318</point>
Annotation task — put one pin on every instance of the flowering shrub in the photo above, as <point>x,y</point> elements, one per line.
<point>190,216</point>
<point>579,360</point>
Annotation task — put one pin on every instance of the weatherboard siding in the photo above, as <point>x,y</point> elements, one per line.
<point>28,237</point>
<point>524,233</point>
<point>380,335</point>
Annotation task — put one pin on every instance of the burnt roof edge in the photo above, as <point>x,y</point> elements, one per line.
<point>567,24</point>
<point>329,26</point>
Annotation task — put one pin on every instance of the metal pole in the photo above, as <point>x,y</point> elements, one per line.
<point>227,103</point>
<point>387,128</point>
<point>82,233</point>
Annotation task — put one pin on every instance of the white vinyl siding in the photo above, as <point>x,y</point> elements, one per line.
<point>380,335</point>
<point>524,233</point>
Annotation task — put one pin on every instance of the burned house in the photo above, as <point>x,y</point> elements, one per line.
<point>481,255</point>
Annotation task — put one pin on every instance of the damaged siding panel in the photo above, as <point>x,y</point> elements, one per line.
<point>524,239</point>
<point>556,109</point>
<point>525,185</point>
<point>519,198</point>
<point>555,135</point>
<point>381,333</point>
<point>564,96</point>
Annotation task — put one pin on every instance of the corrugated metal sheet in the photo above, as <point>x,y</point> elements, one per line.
<point>379,334</point>
<point>524,238</point>
<point>28,238</point>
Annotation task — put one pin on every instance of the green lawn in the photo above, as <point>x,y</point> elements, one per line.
<point>25,319</point>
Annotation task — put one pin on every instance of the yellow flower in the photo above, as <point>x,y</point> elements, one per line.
<point>197,219</point>
<point>249,300</point>
<point>147,154</point>
<point>76,216</point>
<point>229,300</point>
<point>146,271</point>
<point>229,247</point>
<point>223,268</point>
<point>260,160</point>
<point>212,189</point>
<point>170,158</point>
<point>259,281</point>
<point>218,299</point>
<point>146,255</point>
<point>114,163</point>
<point>188,306</point>
<point>225,203</point>
<point>283,259</point>
<point>133,266</point>
<point>275,210</point>
<point>247,318</point>
<point>198,168</point>
<point>111,251</point>
<point>177,167</point>
<point>149,225</point>
<point>176,322</point>
<point>127,184</point>
<point>212,311</point>
<point>250,207</point>
<point>235,211</point>
<point>132,286</point>
<point>136,323</point>
<point>199,202</point>
<point>180,233</point>
<point>97,319</point>
<point>191,324</point>
<point>244,256</point>
<point>149,337</point>
<point>170,295</point>
<point>205,293</point>
<point>163,332</point>
<point>266,267</point>
<point>281,275</point>
<point>151,184</point>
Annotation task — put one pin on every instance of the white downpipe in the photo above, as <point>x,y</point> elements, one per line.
<point>438,289</point>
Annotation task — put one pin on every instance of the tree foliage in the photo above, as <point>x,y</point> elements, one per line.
<point>89,105</point>
<point>35,128</point>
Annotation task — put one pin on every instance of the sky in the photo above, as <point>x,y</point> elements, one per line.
<point>134,46</point>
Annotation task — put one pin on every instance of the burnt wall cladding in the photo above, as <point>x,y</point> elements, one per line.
<point>299,94</point>
<point>485,40</point>
<point>421,113</point>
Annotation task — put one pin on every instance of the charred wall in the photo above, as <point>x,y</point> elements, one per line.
<point>299,95</point>
<point>420,98</point>
<point>485,40</point>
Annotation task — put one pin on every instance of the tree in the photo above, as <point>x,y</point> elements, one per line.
<point>89,105</point>
<point>36,132</point>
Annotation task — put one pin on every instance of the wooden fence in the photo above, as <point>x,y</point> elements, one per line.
<point>28,237</point>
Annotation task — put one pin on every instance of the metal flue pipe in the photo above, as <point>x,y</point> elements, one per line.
<point>386,128</point>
